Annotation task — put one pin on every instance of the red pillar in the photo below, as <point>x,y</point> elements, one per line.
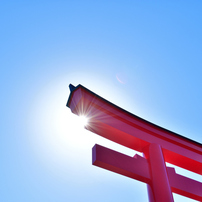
<point>150,193</point>
<point>159,190</point>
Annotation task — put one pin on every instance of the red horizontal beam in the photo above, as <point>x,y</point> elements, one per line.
<point>137,168</point>
<point>118,125</point>
<point>184,186</point>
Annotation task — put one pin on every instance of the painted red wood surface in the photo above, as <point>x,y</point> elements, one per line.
<point>118,125</point>
<point>137,168</point>
<point>159,145</point>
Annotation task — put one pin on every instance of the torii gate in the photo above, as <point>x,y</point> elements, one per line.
<point>156,143</point>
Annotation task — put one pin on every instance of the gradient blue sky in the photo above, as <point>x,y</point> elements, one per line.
<point>153,47</point>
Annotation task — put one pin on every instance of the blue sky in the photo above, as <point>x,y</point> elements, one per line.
<point>144,56</point>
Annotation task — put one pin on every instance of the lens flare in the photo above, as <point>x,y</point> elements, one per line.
<point>83,121</point>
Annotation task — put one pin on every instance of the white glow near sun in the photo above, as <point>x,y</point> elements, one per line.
<point>82,121</point>
<point>58,137</point>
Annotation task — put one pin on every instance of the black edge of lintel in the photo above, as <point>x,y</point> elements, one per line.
<point>71,87</point>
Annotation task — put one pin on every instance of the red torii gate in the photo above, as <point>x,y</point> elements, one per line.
<point>156,143</point>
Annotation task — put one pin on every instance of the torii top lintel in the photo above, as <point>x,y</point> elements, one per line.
<point>119,125</point>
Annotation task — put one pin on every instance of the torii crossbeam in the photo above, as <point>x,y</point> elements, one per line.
<point>156,143</point>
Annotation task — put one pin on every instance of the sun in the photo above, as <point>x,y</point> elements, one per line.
<point>83,121</point>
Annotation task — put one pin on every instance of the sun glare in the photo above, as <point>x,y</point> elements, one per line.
<point>83,121</point>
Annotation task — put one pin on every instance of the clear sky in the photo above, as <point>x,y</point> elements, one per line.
<point>144,56</point>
